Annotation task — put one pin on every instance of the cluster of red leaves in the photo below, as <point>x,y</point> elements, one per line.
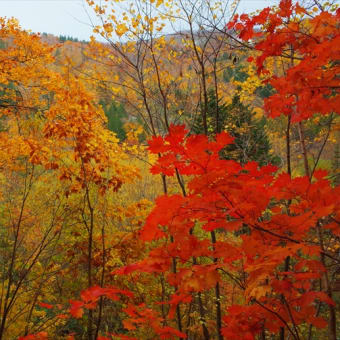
<point>141,316</point>
<point>225,196</point>
<point>138,316</point>
<point>37,336</point>
<point>312,47</point>
<point>90,297</point>
<point>247,321</point>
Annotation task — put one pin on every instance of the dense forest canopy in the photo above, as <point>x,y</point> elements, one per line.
<point>179,185</point>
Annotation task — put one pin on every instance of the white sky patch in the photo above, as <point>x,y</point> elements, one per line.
<point>70,17</point>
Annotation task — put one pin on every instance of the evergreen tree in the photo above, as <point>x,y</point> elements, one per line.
<point>116,116</point>
<point>235,73</point>
<point>251,142</point>
<point>63,38</point>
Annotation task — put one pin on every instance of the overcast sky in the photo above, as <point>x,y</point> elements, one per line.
<point>68,17</point>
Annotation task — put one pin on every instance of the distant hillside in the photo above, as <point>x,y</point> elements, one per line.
<point>53,39</point>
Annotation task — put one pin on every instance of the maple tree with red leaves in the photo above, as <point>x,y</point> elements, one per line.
<point>310,44</point>
<point>278,218</point>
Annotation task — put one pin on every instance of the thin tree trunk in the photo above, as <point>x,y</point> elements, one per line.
<point>303,148</point>
<point>217,109</point>
<point>174,262</point>
<point>282,329</point>
<point>202,317</point>
<point>328,288</point>
<point>89,275</point>
<point>90,228</point>
<point>102,278</point>
<point>7,306</point>
<point>217,296</point>
<point>310,330</point>
<point>288,155</point>
<point>263,334</point>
